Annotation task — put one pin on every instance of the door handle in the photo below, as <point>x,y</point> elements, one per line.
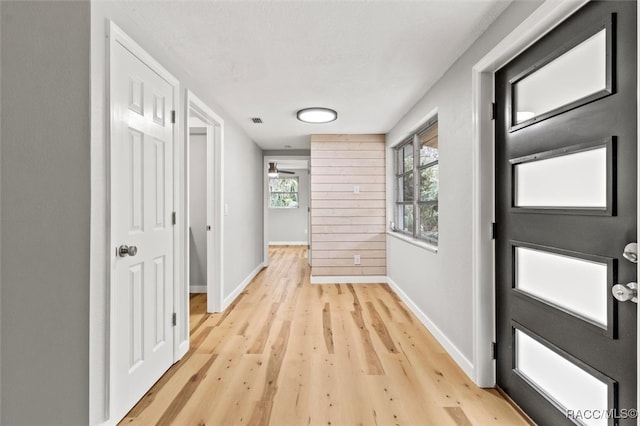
<point>622,292</point>
<point>124,250</point>
<point>631,252</point>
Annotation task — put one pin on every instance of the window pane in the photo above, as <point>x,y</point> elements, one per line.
<point>407,187</point>
<point>400,189</point>
<point>428,142</point>
<point>576,74</point>
<point>429,183</point>
<point>283,184</point>
<point>428,221</point>
<point>283,192</point>
<point>408,157</point>
<point>284,200</point>
<point>575,179</point>
<point>408,219</point>
<point>562,380</point>
<point>576,285</point>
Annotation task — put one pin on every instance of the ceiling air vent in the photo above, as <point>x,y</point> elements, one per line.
<point>256,120</point>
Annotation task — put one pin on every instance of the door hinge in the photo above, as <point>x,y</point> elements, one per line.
<point>173,218</point>
<point>494,350</point>
<point>174,319</point>
<point>494,110</point>
<point>494,230</point>
<point>173,117</point>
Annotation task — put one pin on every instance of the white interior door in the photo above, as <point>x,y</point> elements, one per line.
<point>141,207</point>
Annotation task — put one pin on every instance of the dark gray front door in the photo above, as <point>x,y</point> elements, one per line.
<point>565,209</point>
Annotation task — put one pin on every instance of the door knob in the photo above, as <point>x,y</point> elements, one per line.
<point>622,292</point>
<point>124,250</point>
<point>631,252</point>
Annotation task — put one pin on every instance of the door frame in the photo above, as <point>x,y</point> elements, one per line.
<point>215,207</point>
<point>265,215</point>
<point>115,35</point>
<point>549,15</point>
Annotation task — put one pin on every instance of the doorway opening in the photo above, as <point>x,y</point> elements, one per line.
<point>202,209</point>
<point>198,226</point>
<point>287,206</point>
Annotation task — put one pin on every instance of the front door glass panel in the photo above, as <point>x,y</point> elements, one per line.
<point>565,384</point>
<point>572,76</point>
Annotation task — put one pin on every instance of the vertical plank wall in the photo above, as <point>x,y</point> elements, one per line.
<point>343,223</point>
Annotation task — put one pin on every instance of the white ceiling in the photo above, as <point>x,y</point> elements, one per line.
<point>369,60</point>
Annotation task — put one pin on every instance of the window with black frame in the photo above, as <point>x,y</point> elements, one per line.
<point>417,175</point>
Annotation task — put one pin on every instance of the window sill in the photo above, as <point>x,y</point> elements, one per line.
<point>413,241</point>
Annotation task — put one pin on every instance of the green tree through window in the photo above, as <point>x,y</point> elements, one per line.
<point>283,192</point>
<point>417,176</point>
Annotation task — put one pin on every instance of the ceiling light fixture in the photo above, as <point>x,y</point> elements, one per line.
<point>317,115</point>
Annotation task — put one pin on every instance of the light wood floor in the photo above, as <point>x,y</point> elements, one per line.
<point>291,353</point>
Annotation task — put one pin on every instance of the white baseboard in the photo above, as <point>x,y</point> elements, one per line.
<point>358,279</point>
<point>454,352</point>
<point>197,289</point>
<point>230,298</point>
<point>288,243</point>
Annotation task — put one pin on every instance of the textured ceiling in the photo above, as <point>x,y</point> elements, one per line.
<point>369,60</point>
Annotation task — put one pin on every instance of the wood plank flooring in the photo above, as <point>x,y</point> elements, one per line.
<point>291,353</point>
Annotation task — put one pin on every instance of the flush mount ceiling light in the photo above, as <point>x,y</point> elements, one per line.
<point>317,115</point>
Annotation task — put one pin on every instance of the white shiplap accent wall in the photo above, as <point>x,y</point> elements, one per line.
<point>345,223</point>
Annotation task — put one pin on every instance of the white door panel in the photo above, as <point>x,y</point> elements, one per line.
<point>141,207</point>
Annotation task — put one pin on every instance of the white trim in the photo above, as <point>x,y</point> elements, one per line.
<point>356,279</point>
<point>288,243</point>
<point>541,21</point>
<point>452,350</point>
<point>215,197</point>
<point>197,289</point>
<point>116,35</point>
<point>230,298</point>
<point>413,129</point>
<point>413,241</point>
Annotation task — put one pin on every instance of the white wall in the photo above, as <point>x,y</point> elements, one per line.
<point>198,209</point>
<point>45,213</point>
<point>290,225</point>
<point>439,284</point>
<point>243,228</point>
<point>243,193</point>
